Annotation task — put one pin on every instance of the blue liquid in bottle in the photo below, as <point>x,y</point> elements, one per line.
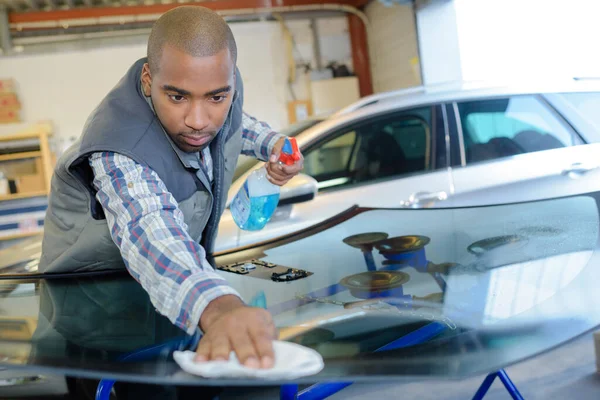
<point>256,201</point>
<point>261,210</point>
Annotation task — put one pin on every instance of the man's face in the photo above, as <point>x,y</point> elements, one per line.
<point>191,95</point>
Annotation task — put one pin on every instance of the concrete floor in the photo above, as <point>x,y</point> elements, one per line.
<point>568,373</point>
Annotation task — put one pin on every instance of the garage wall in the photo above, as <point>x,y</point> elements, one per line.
<point>65,86</point>
<point>393,46</point>
<point>334,42</point>
<point>508,41</point>
<point>438,42</point>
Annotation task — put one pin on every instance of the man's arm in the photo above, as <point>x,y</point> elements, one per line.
<point>258,138</point>
<point>260,141</point>
<point>148,227</point>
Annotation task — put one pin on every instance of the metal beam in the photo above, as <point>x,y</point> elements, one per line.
<point>5,42</point>
<point>316,43</point>
<point>219,5</point>
<point>360,54</point>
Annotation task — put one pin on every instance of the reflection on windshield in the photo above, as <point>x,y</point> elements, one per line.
<point>482,264</point>
<point>432,289</point>
<point>518,288</point>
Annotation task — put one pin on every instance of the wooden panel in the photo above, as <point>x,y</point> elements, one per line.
<point>21,235</point>
<point>46,159</point>
<point>19,156</point>
<point>16,168</point>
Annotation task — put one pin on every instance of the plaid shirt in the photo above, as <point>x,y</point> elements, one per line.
<point>148,227</point>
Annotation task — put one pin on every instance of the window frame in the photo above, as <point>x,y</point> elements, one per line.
<point>458,144</point>
<point>434,131</point>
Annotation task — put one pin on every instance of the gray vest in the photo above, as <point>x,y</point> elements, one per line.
<point>76,235</point>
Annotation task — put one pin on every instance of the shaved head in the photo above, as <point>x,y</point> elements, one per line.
<point>195,30</point>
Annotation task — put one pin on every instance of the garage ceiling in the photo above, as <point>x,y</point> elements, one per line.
<point>26,11</point>
<point>15,6</point>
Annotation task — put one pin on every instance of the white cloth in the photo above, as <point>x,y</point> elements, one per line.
<point>291,361</point>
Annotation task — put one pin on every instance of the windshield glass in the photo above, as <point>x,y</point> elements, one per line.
<point>246,162</point>
<point>377,292</point>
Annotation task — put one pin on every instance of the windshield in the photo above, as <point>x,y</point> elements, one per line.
<point>394,293</point>
<point>246,162</point>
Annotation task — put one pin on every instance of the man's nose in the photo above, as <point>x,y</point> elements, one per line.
<point>197,117</point>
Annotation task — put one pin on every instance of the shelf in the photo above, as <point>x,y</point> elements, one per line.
<point>20,156</point>
<point>20,235</point>
<point>32,132</point>
<point>17,196</point>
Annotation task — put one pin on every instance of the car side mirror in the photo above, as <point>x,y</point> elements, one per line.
<point>299,189</point>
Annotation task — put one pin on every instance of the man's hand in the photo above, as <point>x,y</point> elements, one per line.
<point>280,174</point>
<point>230,325</point>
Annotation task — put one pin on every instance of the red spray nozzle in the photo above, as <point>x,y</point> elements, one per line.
<point>290,152</point>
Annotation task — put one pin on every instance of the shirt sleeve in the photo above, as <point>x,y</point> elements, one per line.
<point>147,225</point>
<point>258,138</point>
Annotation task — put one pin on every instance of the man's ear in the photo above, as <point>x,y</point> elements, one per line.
<point>146,80</point>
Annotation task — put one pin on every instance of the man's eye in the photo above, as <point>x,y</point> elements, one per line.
<point>218,99</point>
<point>177,98</point>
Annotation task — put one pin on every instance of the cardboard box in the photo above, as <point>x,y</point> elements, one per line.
<point>299,110</point>
<point>7,86</point>
<point>9,101</point>
<point>10,116</point>
<point>30,183</point>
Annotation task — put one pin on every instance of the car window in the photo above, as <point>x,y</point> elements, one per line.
<point>507,127</point>
<point>587,104</point>
<point>329,162</point>
<point>387,146</point>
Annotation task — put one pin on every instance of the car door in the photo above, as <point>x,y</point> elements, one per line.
<point>389,160</point>
<point>518,148</point>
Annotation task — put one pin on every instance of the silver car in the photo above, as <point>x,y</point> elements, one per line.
<point>439,148</point>
<point>427,148</point>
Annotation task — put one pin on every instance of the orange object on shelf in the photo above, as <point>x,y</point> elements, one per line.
<point>9,101</point>
<point>10,116</point>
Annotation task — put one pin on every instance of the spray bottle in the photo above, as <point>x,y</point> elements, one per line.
<point>254,204</point>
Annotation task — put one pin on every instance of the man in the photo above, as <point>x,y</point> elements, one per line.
<point>148,180</point>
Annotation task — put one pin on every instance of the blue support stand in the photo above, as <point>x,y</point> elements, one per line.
<point>288,392</point>
<point>148,353</point>
<point>324,390</point>
<point>506,381</point>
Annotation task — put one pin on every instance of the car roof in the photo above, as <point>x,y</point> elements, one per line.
<point>422,95</point>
